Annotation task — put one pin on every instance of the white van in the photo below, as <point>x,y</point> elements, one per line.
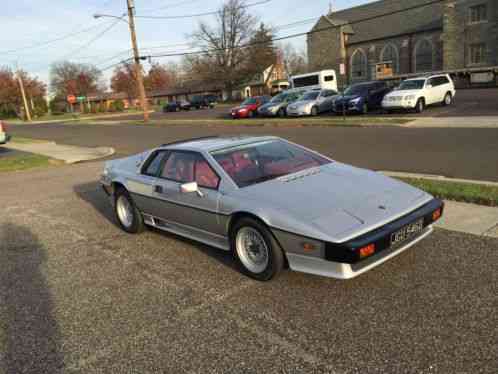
<point>324,80</point>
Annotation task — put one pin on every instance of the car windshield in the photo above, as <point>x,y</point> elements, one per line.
<point>279,98</point>
<point>249,101</point>
<point>311,95</point>
<point>412,85</point>
<point>358,89</point>
<point>264,161</point>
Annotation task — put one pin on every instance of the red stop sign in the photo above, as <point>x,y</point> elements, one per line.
<point>71,99</point>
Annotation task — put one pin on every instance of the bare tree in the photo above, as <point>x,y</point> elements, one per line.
<point>295,61</point>
<point>224,59</point>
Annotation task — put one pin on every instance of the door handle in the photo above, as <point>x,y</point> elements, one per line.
<point>158,189</point>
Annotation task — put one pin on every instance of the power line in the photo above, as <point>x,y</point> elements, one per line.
<point>294,35</point>
<point>202,14</point>
<point>48,42</point>
<point>173,5</point>
<point>97,37</point>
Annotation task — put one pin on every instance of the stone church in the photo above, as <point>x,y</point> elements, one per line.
<point>409,37</point>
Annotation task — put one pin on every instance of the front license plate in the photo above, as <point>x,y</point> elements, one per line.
<point>407,232</point>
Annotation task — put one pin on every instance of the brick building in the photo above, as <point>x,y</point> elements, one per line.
<point>409,37</point>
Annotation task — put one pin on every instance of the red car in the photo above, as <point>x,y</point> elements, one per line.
<point>249,108</point>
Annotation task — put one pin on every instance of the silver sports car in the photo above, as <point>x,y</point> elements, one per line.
<point>272,203</point>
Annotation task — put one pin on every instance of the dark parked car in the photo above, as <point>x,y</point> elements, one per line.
<point>249,107</point>
<point>176,106</point>
<point>204,101</point>
<point>361,97</point>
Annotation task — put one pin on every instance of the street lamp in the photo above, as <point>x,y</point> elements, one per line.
<point>100,15</point>
<point>138,67</point>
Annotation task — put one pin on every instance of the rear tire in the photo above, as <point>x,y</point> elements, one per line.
<point>420,106</point>
<point>256,250</point>
<point>127,214</point>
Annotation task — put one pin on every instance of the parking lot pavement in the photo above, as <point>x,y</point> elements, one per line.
<point>456,152</point>
<point>78,295</point>
<point>469,102</point>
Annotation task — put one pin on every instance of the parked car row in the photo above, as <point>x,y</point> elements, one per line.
<point>4,136</point>
<point>412,94</point>
<point>197,102</point>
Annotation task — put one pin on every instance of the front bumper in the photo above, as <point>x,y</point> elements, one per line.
<point>340,260</point>
<point>236,115</point>
<point>410,104</point>
<point>347,107</point>
<point>4,138</point>
<point>298,112</point>
<point>267,113</point>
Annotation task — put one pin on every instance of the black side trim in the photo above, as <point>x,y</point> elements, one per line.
<point>180,204</point>
<point>381,237</point>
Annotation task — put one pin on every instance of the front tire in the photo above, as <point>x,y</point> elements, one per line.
<point>420,106</point>
<point>364,108</point>
<point>256,251</point>
<point>127,214</point>
<point>314,111</point>
<point>281,113</point>
<point>448,99</point>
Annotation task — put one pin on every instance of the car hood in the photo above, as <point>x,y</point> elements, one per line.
<point>336,200</point>
<point>270,105</point>
<point>402,93</point>
<point>348,98</point>
<point>237,108</point>
<point>303,103</point>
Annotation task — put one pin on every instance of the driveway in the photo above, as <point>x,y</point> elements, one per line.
<point>456,152</point>
<point>78,295</point>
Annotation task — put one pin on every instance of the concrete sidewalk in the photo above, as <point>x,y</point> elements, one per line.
<point>66,153</point>
<point>455,122</point>
<point>470,219</point>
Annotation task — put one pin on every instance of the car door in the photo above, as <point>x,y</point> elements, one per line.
<point>431,89</point>
<point>328,101</point>
<point>196,213</point>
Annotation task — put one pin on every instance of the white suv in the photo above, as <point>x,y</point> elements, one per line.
<point>4,137</point>
<point>417,93</point>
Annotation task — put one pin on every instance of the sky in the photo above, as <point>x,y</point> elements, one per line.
<point>26,24</point>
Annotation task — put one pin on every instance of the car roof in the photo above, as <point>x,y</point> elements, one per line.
<point>428,76</point>
<point>214,143</point>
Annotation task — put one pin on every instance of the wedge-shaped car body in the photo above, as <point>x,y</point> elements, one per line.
<point>272,203</point>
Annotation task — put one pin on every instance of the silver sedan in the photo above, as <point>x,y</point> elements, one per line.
<point>272,203</point>
<point>313,103</point>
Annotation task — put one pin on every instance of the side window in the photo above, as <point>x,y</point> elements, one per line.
<point>329,78</point>
<point>153,164</point>
<point>432,82</point>
<point>444,80</point>
<point>205,176</point>
<point>179,167</point>
<point>186,167</point>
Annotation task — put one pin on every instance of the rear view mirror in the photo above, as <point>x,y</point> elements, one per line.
<point>191,187</point>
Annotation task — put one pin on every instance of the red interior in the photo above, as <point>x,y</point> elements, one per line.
<point>205,176</point>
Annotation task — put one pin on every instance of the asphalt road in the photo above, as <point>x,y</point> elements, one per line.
<point>78,295</point>
<point>474,102</point>
<point>458,153</point>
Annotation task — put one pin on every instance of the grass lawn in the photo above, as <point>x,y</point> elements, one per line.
<point>17,139</point>
<point>71,116</point>
<point>278,122</point>
<point>24,162</point>
<point>463,192</point>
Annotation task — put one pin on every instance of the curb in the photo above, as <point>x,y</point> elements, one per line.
<point>439,178</point>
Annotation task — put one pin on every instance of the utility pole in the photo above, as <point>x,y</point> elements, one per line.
<point>21,86</point>
<point>138,66</point>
